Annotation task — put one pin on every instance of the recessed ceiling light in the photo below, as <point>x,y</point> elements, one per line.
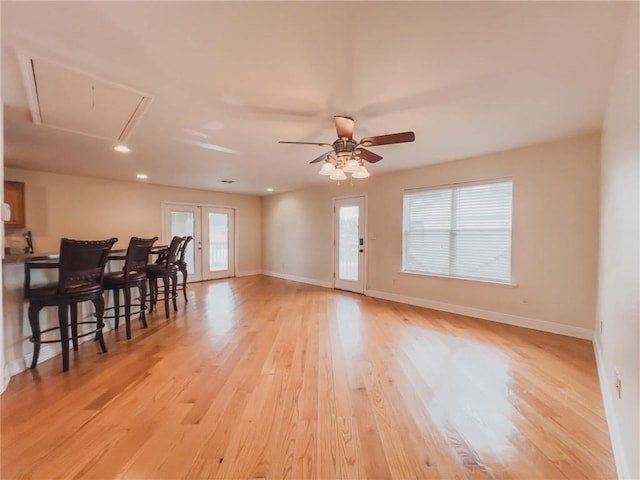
<point>122,149</point>
<point>142,176</point>
<point>269,189</point>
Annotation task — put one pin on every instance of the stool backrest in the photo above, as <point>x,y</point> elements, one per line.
<point>183,248</point>
<point>82,261</point>
<point>138,255</point>
<point>172,251</point>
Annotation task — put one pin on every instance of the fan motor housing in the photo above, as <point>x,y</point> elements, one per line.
<point>344,145</point>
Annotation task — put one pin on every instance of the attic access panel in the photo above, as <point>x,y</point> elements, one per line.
<point>74,101</point>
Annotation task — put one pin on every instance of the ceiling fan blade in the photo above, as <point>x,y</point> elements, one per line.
<point>368,155</point>
<point>344,126</point>
<point>322,157</point>
<point>308,143</point>
<point>388,139</point>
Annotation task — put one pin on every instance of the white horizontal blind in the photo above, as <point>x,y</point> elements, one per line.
<point>461,231</point>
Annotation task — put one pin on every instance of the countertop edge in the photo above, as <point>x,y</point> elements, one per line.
<point>28,257</point>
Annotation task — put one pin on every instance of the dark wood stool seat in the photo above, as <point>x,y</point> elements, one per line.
<point>81,269</point>
<point>48,294</point>
<point>161,268</point>
<point>165,269</point>
<point>133,275</point>
<point>116,278</point>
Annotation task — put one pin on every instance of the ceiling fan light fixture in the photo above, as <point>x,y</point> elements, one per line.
<point>362,172</point>
<point>347,155</point>
<point>351,166</point>
<point>327,168</point>
<point>338,175</point>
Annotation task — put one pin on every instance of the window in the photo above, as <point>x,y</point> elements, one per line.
<point>461,231</point>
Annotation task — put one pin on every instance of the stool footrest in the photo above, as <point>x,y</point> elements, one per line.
<point>161,297</point>
<point>136,312</point>
<point>60,340</point>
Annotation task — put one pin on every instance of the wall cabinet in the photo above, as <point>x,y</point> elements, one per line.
<point>14,196</point>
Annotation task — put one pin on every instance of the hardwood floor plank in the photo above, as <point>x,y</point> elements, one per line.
<point>259,377</point>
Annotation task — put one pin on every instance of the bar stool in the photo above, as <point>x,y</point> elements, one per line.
<point>81,270</point>
<point>166,269</point>
<point>182,265</point>
<point>132,275</point>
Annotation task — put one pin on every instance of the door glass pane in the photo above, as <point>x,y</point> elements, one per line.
<point>348,242</point>
<point>182,225</point>
<point>218,242</point>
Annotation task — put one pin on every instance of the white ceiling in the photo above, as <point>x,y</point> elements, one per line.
<point>468,78</point>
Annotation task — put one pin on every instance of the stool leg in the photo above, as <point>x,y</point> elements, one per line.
<point>143,298</point>
<point>98,303</point>
<point>153,293</point>
<point>127,310</point>
<point>174,291</point>
<point>63,322</point>
<point>184,284</point>
<point>34,321</point>
<point>74,325</point>
<point>165,281</point>
<point>116,307</point>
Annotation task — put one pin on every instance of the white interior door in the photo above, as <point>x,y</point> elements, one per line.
<point>212,253</point>
<point>183,221</point>
<point>218,241</point>
<point>349,219</point>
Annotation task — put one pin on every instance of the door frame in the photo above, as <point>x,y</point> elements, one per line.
<point>236,217</point>
<point>334,231</point>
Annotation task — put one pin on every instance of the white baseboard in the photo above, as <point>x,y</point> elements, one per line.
<point>248,273</point>
<point>516,320</point>
<point>18,365</point>
<point>5,378</point>
<point>295,278</point>
<point>607,398</point>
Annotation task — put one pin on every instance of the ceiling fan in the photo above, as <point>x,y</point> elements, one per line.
<point>347,155</point>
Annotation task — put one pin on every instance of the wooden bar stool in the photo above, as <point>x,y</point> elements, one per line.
<point>182,265</point>
<point>133,275</point>
<point>165,268</point>
<point>81,270</point>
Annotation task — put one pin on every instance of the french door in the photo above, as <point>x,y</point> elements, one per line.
<point>218,252</point>
<point>212,253</point>
<point>349,246</point>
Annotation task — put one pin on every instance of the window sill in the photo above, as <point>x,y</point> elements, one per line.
<point>466,279</point>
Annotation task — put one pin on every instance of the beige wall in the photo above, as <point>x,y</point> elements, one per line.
<point>619,278</point>
<point>91,208</point>
<point>555,234</point>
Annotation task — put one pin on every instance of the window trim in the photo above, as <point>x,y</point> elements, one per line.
<point>509,283</point>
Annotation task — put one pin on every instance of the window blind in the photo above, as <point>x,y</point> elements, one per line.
<point>460,231</point>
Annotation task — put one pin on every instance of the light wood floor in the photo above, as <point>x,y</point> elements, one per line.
<point>264,378</point>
